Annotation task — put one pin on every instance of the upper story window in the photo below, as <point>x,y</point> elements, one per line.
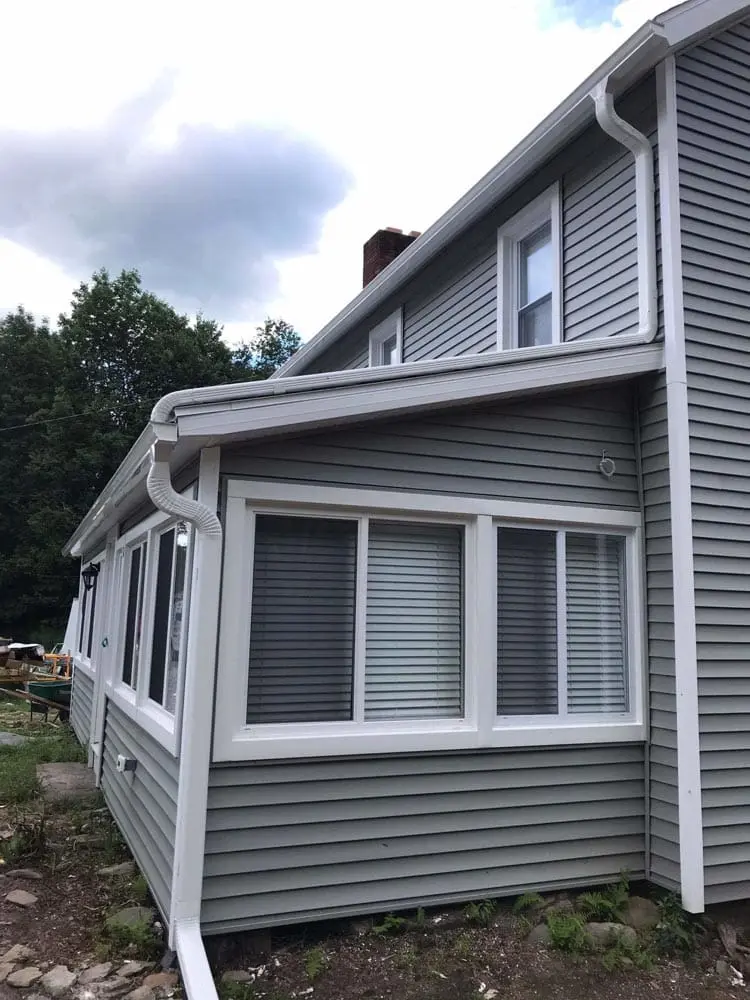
<point>385,341</point>
<point>529,275</point>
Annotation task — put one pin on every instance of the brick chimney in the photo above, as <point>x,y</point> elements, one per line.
<point>381,249</point>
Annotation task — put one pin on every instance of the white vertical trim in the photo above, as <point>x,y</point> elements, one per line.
<point>110,605</point>
<point>482,651</point>
<point>562,624</point>
<point>200,670</point>
<point>685,647</point>
<point>558,334</point>
<point>360,620</point>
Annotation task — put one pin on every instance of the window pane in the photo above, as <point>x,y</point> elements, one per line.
<point>84,602</point>
<point>597,675</point>
<point>536,265</point>
<point>526,622</point>
<point>92,616</point>
<point>175,622</point>
<point>535,324</point>
<point>389,351</point>
<point>133,617</point>
<point>302,621</point>
<point>161,616</point>
<point>414,664</point>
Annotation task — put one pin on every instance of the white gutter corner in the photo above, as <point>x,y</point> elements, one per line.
<point>197,707</point>
<point>645,205</point>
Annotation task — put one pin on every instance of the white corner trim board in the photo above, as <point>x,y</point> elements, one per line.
<point>195,748</point>
<point>685,647</point>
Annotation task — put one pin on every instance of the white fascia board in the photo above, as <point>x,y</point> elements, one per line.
<point>130,473</point>
<point>691,21</point>
<point>639,54</point>
<point>383,398</point>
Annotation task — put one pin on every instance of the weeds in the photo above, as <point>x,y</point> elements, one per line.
<point>28,842</point>
<point>623,953</point>
<point>529,901</point>
<point>137,939</point>
<point>315,963</point>
<point>18,781</point>
<point>391,926</point>
<point>463,946</point>
<point>139,890</point>
<point>607,905</point>
<point>677,932</point>
<point>567,933</point>
<point>420,919</point>
<point>235,991</point>
<point>480,914</point>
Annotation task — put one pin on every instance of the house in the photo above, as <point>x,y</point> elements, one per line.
<point>457,604</point>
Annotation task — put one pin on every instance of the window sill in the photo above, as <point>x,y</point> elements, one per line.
<point>244,745</point>
<point>151,718</point>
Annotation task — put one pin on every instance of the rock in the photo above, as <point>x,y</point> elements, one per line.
<point>65,780</point>
<point>5,970</point>
<point>30,873</point>
<point>563,906</point>
<point>18,953</point>
<point>12,739</point>
<point>19,897</point>
<point>604,934</point>
<point>236,976</point>
<point>540,936</point>
<point>161,979</point>
<point>114,987</point>
<point>131,916</point>
<point>95,974</point>
<point>141,993</point>
<point>24,977</point>
<point>58,980</point>
<point>724,969</point>
<point>641,914</point>
<point>130,969</point>
<point>126,868</point>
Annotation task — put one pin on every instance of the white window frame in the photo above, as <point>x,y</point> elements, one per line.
<point>479,727</point>
<point>81,661</point>
<point>382,333</point>
<point>546,208</point>
<point>164,726</point>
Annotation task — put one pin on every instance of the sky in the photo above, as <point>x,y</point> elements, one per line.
<point>239,153</point>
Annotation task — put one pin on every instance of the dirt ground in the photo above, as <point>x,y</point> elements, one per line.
<point>441,957</point>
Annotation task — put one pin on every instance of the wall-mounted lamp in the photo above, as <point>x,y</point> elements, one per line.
<point>182,535</point>
<point>89,575</point>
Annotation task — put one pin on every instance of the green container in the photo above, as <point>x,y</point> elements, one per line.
<point>57,691</point>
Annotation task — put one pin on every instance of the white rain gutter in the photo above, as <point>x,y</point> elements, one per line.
<point>645,205</point>
<point>195,743</point>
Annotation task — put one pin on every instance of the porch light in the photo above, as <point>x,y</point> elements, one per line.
<point>89,575</point>
<point>182,535</point>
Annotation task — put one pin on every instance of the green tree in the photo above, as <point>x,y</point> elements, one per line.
<point>81,396</point>
<point>273,344</point>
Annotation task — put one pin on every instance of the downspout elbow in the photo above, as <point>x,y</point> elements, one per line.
<point>638,144</point>
<point>166,498</point>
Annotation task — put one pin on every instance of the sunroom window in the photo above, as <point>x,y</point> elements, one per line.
<point>169,619</point>
<point>561,623</point>
<point>134,615</point>
<point>355,619</point>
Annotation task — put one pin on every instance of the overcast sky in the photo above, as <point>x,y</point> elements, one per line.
<point>240,153</point>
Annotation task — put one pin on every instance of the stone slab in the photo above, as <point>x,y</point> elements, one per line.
<point>65,780</point>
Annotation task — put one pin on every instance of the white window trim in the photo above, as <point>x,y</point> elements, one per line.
<point>383,332</point>
<point>234,740</point>
<point>163,726</point>
<point>546,208</point>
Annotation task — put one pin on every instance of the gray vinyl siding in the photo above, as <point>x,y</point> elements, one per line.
<point>450,307</point>
<point>545,449</point>
<point>664,840</point>
<point>294,841</point>
<point>82,705</point>
<point>144,803</point>
<point>713,93</point>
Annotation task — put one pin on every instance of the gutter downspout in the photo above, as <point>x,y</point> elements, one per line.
<point>645,204</point>
<point>197,707</point>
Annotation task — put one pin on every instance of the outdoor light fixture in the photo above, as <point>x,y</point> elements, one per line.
<point>182,535</point>
<point>89,575</point>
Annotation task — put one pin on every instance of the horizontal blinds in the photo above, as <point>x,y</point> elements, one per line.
<point>526,622</point>
<point>595,570</point>
<point>414,654</point>
<point>302,622</point>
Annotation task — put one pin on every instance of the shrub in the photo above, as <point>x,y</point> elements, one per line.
<point>529,901</point>
<point>390,926</point>
<point>315,963</point>
<point>677,932</point>
<point>607,905</point>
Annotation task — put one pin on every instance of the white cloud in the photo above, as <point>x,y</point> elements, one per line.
<point>416,99</point>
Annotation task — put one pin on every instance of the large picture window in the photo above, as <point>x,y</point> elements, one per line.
<point>309,662</point>
<point>364,622</point>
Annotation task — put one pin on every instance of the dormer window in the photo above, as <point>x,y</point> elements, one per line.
<point>529,275</point>
<point>385,341</point>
